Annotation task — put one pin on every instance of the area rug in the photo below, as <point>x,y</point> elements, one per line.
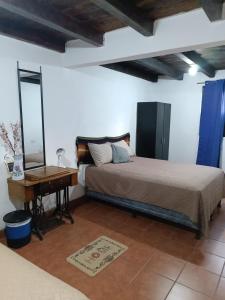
<point>97,255</point>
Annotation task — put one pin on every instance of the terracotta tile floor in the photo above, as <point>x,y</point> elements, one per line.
<point>162,262</point>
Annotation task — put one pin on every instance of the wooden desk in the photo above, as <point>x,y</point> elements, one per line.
<point>42,182</point>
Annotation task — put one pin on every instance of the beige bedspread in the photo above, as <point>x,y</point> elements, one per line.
<point>21,280</point>
<point>191,190</point>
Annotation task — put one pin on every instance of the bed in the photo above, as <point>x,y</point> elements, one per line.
<point>185,194</point>
<point>21,280</point>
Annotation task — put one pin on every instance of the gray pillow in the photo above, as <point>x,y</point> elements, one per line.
<point>124,144</point>
<point>119,155</point>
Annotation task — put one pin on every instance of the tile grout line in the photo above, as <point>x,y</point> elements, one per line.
<point>185,263</point>
<point>200,293</point>
<point>190,288</point>
<point>223,269</point>
<point>217,286</point>
<point>220,276</point>
<point>214,239</point>
<point>194,289</point>
<point>218,283</point>
<point>140,270</point>
<point>211,253</point>
<point>211,273</point>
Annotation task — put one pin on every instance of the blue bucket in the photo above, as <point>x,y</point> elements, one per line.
<point>18,228</point>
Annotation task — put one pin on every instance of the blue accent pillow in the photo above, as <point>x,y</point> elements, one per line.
<point>119,155</point>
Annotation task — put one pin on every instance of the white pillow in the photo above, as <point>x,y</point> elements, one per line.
<point>101,153</point>
<point>124,145</point>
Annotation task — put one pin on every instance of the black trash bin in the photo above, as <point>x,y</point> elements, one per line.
<point>18,228</point>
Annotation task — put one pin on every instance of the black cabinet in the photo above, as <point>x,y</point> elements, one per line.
<point>153,129</point>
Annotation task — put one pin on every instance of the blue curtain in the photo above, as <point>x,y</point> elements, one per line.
<point>211,123</point>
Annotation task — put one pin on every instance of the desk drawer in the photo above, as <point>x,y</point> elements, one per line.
<point>53,186</point>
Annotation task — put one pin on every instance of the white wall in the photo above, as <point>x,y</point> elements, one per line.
<point>185,98</point>
<point>21,51</point>
<point>90,102</point>
<point>9,111</point>
<point>96,102</point>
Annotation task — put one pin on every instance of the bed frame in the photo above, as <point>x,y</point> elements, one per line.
<point>153,211</point>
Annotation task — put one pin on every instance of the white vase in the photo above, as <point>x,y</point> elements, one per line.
<point>18,173</point>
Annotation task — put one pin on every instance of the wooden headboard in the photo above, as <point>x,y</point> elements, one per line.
<point>82,150</point>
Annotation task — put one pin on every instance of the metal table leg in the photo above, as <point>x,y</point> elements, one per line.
<point>34,214</point>
<point>65,206</point>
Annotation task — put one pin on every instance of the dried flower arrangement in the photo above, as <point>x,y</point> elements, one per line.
<point>14,147</point>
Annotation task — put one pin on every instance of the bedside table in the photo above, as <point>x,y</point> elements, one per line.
<point>39,183</point>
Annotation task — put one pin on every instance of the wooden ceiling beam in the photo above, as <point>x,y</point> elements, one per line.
<point>128,13</point>
<point>35,37</point>
<point>160,67</point>
<point>213,9</point>
<point>192,57</point>
<point>51,18</point>
<point>130,69</point>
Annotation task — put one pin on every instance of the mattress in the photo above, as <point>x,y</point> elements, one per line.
<point>82,174</point>
<point>21,280</point>
<point>191,190</point>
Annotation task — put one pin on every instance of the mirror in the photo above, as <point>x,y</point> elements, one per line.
<point>32,119</point>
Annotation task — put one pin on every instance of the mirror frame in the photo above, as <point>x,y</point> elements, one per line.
<point>21,115</point>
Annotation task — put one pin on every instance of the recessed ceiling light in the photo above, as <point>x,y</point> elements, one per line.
<point>193,70</point>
